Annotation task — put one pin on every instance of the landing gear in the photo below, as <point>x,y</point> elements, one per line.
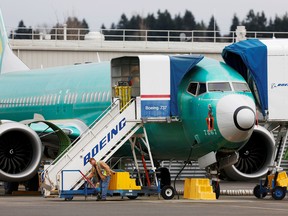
<point>213,173</point>
<point>32,184</point>
<point>10,187</point>
<point>216,188</point>
<point>167,191</point>
<point>163,175</point>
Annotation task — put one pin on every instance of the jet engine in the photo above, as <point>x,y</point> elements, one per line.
<point>20,152</point>
<point>254,157</point>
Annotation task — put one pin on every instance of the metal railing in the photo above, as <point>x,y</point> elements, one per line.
<point>126,35</point>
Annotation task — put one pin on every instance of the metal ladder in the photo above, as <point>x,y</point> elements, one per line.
<point>105,136</point>
<point>281,144</point>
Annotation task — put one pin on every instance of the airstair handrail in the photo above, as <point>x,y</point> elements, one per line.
<point>106,111</point>
<point>89,127</point>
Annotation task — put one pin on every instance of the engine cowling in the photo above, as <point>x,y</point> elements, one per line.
<point>254,157</point>
<point>20,152</point>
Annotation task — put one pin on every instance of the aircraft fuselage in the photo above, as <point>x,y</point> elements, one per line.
<point>217,110</point>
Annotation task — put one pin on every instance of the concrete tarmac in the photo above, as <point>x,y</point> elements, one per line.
<point>226,205</point>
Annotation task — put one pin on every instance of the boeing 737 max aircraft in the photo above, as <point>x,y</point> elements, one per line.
<point>68,99</point>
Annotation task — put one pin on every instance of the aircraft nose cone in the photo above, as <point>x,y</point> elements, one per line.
<point>244,118</point>
<point>235,116</point>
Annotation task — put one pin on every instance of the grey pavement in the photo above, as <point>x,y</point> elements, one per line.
<point>226,205</point>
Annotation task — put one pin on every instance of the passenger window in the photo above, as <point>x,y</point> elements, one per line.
<point>243,87</point>
<point>219,86</point>
<point>192,88</point>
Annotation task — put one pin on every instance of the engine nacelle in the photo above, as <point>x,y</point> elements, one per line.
<point>20,152</point>
<point>254,157</point>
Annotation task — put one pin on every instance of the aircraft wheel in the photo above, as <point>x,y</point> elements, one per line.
<point>32,184</point>
<point>167,192</point>
<point>278,193</point>
<point>260,194</point>
<point>10,187</point>
<point>164,176</point>
<point>216,188</point>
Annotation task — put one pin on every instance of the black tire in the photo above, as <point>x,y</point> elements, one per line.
<point>216,188</point>
<point>278,193</point>
<point>132,197</point>
<point>69,199</point>
<point>164,176</point>
<point>167,192</point>
<point>32,184</point>
<point>260,194</point>
<point>10,187</point>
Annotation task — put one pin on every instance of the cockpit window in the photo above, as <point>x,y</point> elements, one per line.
<point>192,88</point>
<point>197,88</point>
<point>219,86</point>
<point>242,87</point>
<point>202,88</point>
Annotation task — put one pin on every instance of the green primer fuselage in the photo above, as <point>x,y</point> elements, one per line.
<point>84,91</point>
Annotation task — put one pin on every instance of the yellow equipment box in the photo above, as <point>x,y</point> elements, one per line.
<point>282,179</point>
<point>122,181</point>
<point>199,189</point>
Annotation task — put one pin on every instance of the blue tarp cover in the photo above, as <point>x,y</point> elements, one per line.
<point>179,66</point>
<point>252,55</point>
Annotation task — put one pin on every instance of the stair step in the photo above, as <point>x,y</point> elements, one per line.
<point>198,189</point>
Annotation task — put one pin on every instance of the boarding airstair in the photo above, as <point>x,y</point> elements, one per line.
<point>105,136</point>
<point>281,145</point>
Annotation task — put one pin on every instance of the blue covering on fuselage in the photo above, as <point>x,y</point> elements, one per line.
<point>179,66</point>
<point>250,55</point>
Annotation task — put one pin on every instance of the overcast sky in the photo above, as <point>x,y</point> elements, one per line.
<point>37,12</point>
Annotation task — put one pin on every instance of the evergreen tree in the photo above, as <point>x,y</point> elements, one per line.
<point>178,22</point>
<point>213,26</point>
<point>280,24</point>
<point>103,26</point>
<point>85,24</point>
<point>134,22</point>
<point>123,23</point>
<point>255,22</point>
<point>85,27</point>
<point>164,21</point>
<point>270,25</point>
<point>113,26</point>
<point>233,27</point>
<point>201,26</point>
<point>235,23</point>
<point>189,22</point>
<point>261,21</point>
<point>150,21</point>
<point>22,32</point>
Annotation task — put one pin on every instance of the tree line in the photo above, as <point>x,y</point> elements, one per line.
<point>254,21</point>
<point>76,30</point>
